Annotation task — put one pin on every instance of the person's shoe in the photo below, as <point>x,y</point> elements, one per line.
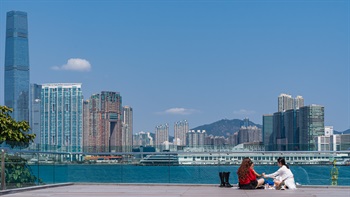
<point>222,181</point>
<point>227,177</point>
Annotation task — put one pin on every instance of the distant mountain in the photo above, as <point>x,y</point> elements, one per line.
<point>224,127</point>
<point>344,132</point>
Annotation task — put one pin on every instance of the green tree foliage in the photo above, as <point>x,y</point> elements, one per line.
<point>15,133</point>
<point>18,173</point>
<point>12,132</point>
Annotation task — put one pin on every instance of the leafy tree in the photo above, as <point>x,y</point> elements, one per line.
<point>14,133</point>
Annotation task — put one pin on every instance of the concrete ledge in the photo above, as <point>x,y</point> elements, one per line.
<point>11,191</point>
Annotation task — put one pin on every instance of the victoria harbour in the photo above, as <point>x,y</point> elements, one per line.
<point>304,175</point>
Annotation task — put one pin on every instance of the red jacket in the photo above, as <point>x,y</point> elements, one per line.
<point>248,178</point>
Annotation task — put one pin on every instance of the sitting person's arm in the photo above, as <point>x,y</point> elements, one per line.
<point>257,174</point>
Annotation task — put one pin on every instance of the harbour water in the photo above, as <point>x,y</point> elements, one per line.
<point>85,173</point>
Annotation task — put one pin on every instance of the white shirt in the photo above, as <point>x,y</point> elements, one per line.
<point>283,173</point>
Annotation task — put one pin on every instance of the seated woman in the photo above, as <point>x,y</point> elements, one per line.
<point>282,176</point>
<point>246,176</point>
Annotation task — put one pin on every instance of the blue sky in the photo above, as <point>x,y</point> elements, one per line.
<point>200,61</point>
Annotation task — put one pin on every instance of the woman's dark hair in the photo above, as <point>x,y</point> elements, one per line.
<point>282,161</point>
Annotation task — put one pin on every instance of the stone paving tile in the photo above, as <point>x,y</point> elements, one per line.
<point>107,190</point>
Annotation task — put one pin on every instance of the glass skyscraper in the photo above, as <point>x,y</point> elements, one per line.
<point>17,65</point>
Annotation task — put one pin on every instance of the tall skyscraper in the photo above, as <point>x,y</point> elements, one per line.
<point>285,102</point>
<point>267,131</point>
<point>103,122</point>
<point>127,129</point>
<point>180,130</point>
<point>34,111</point>
<point>291,130</point>
<point>17,65</point>
<point>61,116</point>
<point>311,125</point>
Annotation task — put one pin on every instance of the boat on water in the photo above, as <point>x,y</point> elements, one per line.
<point>160,160</point>
<point>266,158</point>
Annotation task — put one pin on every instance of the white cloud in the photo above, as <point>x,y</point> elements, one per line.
<point>75,64</point>
<point>244,112</point>
<point>179,111</point>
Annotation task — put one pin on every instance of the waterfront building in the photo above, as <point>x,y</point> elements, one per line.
<point>323,143</point>
<point>285,102</point>
<point>142,139</point>
<point>17,65</point>
<point>334,143</point>
<point>127,129</point>
<point>61,117</point>
<point>34,111</point>
<point>267,132</point>
<point>345,142</point>
<point>311,125</point>
<point>104,122</point>
<point>162,135</point>
<point>180,130</point>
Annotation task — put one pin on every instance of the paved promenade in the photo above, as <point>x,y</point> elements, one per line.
<point>147,190</point>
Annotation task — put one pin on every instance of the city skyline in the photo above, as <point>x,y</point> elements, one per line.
<point>200,61</point>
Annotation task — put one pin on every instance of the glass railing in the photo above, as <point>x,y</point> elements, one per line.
<point>23,167</point>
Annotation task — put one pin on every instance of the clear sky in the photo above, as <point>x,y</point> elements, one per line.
<point>200,61</point>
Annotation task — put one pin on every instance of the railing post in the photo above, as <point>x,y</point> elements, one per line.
<point>3,186</point>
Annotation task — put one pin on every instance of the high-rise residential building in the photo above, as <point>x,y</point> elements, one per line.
<point>142,139</point>
<point>34,111</point>
<point>162,134</point>
<point>298,102</point>
<point>180,130</point>
<point>233,139</point>
<point>285,102</point>
<point>17,65</point>
<point>249,134</point>
<point>267,132</point>
<point>311,125</point>
<point>196,138</point>
<point>61,117</point>
<point>127,129</point>
<point>103,126</point>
